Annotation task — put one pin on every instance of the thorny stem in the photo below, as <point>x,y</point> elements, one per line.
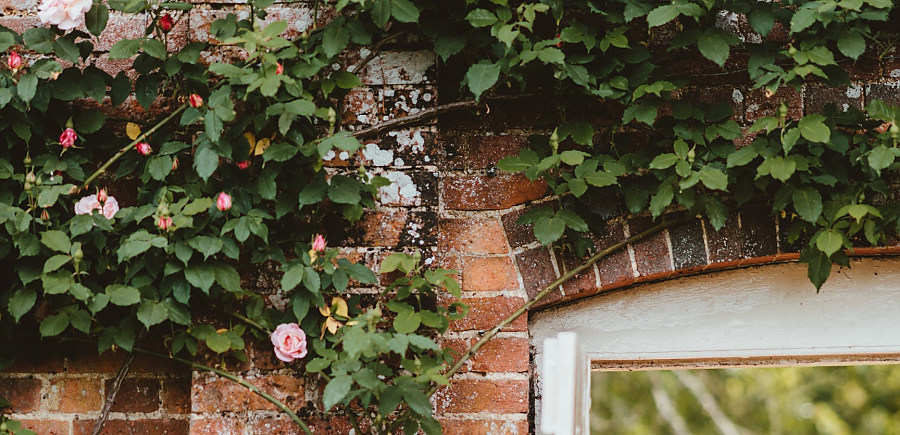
<point>253,388</point>
<point>128,147</point>
<point>555,284</point>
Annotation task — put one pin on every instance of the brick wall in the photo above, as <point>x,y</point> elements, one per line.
<point>447,200</point>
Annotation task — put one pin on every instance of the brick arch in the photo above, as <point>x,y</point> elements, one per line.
<point>750,237</point>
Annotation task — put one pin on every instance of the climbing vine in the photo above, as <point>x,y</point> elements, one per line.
<point>224,178</point>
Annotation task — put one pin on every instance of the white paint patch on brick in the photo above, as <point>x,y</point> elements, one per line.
<point>402,190</point>
<point>373,153</point>
<point>737,96</point>
<point>854,91</point>
<point>411,139</point>
<point>399,68</point>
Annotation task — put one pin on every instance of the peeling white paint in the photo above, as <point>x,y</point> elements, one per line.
<point>329,155</point>
<point>854,91</point>
<point>737,96</point>
<point>344,155</point>
<point>401,191</point>
<point>373,153</point>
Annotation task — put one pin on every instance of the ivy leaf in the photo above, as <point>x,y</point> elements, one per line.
<point>481,77</point>
<point>830,241</point>
<point>713,47</point>
<point>813,128</point>
<point>336,390</point>
<point>54,325</point>
<point>808,203</point>
<point>548,230</point>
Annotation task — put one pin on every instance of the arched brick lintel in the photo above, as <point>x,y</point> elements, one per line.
<point>750,237</point>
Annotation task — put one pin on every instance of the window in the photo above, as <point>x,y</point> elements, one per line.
<point>767,315</point>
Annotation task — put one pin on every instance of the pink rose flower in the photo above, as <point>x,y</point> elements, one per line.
<point>164,223</point>
<point>319,243</point>
<point>65,14</point>
<point>144,148</point>
<point>102,196</point>
<point>174,163</point>
<point>14,61</point>
<point>289,341</point>
<point>67,138</point>
<point>243,165</point>
<point>166,22</point>
<point>89,203</point>
<point>279,69</point>
<point>223,201</point>
<point>196,101</point>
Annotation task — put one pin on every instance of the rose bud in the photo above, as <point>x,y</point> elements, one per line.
<point>223,201</point>
<point>45,216</point>
<point>174,163</point>
<point>243,165</point>
<point>15,61</point>
<point>319,243</point>
<point>166,22</point>
<point>102,195</point>
<point>67,138</point>
<point>279,69</point>
<point>196,101</point>
<point>143,148</point>
<point>164,223</point>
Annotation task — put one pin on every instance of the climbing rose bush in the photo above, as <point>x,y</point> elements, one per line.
<point>65,14</point>
<point>289,341</point>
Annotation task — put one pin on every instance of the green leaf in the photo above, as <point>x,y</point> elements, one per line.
<point>548,230</point>
<point>405,11</point>
<point>280,152</point>
<point>159,167</point>
<point>344,190</point>
<point>55,262</point>
<point>481,77</point>
<point>335,38</point>
<point>125,48</point>
<point>66,49</point>
<point>317,365</point>
<point>407,322</point>
<point>742,156</point>
<point>56,240</point>
<point>830,241</point>
<point>390,399</point>
<point>417,401</point>
<point>155,48</point>
<point>54,325</point>
<point>196,206</point>
<point>664,161</point>
<point>123,295</point>
<point>716,212</point>
<point>398,261</point>
<point>56,283</point>
<point>713,47</point>
<point>851,43</point>
<point>336,390</point>
<point>152,313</point>
<point>813,128</point>
<point>292,278</point>
<point>200,276</point>
<point>96,18</point>
<point>572,220</point>
<point>89,121</point>
<point>880,158</point>
<point>714,178</point>
<point>661,200</point>
<point>206,245</point>
<point>808,203</point>
<point>662,15</point>
<point>21,302</point>
<point>27,87</point>
<point>343,80</point>
<point>218,343</point>
<point>803,18</point>
<point>206,161</point>
<point>600,179</point>
<point>81,321</point>
<point>381,12</point>
<point>819,268</point>
<point>481,18</point>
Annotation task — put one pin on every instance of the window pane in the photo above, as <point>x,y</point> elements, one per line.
<point>782,400</point>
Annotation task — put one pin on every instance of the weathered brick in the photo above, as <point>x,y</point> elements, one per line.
<point>485,313</point>
<point>725,244</point>
<point>688,246</point>
<point>299,19</point>
<point>400,68</point>
<point>485,151</point>
<point>176,398</point>
<point>758,230</point>
<point>490,193</point>
<point>136,395</point>
<point>733,96</point>
<point>405,147</point>
<point>212,394</point>
<point>582,284</point>
<point>815,98</point>
<point>218,426</point>
<point>521,235</point>
<point>485,427</point>
<point>615,267</point>
<point>759,105</point>
<point>143,426</point>
<point>475,395</point>
<point>652,253</point>
<point>23,393</point>
<point>497,115</point>
<point>537,272</point>
<point>784,226</point>
<point>76,394</point>
<point>489,274</point>
<point>473,236</point>
<point>888,92</point>
<point>46,427</point>
<point>498,355</point>
<point>33,359</point>
<point>386,228</point>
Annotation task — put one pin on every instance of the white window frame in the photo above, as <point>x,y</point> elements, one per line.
<point>762,316</point>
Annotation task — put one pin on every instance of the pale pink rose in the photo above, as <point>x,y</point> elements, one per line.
<point>319,243</point>
<point>289,341</point>
<point>223,201</point>
<point>65,14</point>
<point>67,138</point>
<point>89,203</point>
<point>144,148</point>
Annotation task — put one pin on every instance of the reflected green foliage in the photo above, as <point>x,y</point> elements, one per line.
<point>785,400</point>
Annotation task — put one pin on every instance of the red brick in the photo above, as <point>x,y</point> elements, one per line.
<point>23,393</point>
<point>142,426</point>
<point>489,274</point>
<point>473,236</point>
<point>615,267</point>
<point>485,151</point>
<point>498,355</point>
<point>331,425</point>
<point>652,253</point>
<point>759,106</point>
<point>47,427</point>
<point>34,359</point>
<point>485,313</point>
<point>211,394</point>
<point>490,193</point>
<point>583,283</point>
<point>815,98</point>
<point>475,395</point>
<point>135,395</point>
<point>537,272</point>
<point>218,426</point>
<point>77,394</point>
<point>485,427</point>
<point>724,245</point>
<point>285,426</point>
<point>177,396</point>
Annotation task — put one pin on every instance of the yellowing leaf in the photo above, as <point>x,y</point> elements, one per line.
<point>261,146</point>
<point>251,140</point>
<point>132,130</point>
<point>341,309</point>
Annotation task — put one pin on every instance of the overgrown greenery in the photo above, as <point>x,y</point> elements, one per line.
<point>272,106</point>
